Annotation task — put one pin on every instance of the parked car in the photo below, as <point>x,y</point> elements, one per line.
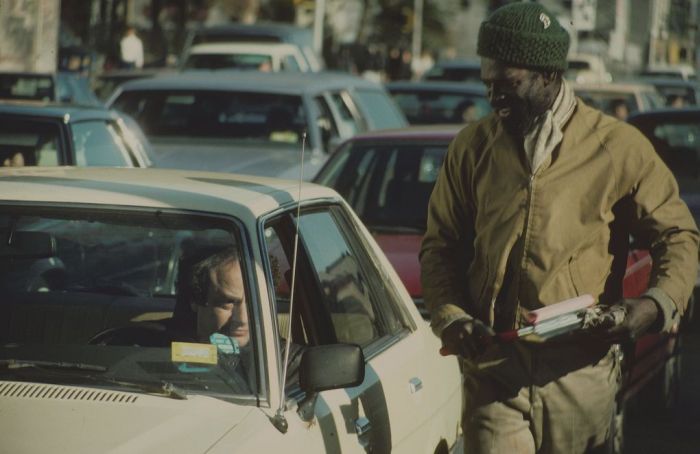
<point>683,72</point>
<point>65,87</point>
<point>259,32</point>
<point>254,123</point>
<point>587,68</point>
<point>439,102</point>
<point>671,88</point>
<point>272,57</point>
<point>107,82</point>
<point>45,134</point>
<point>635,97</point>
<point>456,70</point>
<point>675,134</point>
<point>97,355</point>
<point>387,178</point>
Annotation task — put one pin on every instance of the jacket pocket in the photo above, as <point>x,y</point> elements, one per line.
<point>586,273</point>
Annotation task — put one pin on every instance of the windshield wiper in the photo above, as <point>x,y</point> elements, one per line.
<point>163,388</point>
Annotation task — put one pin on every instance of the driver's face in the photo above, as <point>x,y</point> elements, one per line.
<point>225,311</point>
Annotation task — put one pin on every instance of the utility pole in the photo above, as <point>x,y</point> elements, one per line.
<point>417,37</point>
<point>319,16</point>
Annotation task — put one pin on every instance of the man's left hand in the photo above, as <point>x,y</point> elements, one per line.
<point>640,315</point>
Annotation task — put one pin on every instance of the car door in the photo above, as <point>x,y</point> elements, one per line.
<point>344,296</point>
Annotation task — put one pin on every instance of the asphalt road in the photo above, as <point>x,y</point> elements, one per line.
<point>680,432</point>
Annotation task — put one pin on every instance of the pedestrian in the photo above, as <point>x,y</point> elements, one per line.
<point>131,49</point>
<point>535,204</point>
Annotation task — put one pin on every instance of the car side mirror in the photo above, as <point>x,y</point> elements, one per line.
<point>331,367</point>
<point>328,367</point>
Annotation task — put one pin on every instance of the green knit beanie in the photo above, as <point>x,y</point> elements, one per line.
<point>524,34</point>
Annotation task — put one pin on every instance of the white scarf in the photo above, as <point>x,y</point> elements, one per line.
<point>547,133</point>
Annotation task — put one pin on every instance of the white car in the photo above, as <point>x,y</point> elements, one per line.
<point>270,57</point>
<point>587,68</point>
<point>97,352</point>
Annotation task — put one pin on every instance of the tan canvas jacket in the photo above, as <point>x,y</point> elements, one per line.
<point>603,183</point>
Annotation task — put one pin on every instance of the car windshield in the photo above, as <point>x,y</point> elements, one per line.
<point>108,298</point>
<point>384,183</point>
<point>228,61</point>
<point>242,116</point>
<point>435,107</point>
<point>27,86</point>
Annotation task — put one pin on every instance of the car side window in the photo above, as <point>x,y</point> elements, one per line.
<point>348,123</point>
<point>380,109</point>
<point>289,63</point>
<point>336,297</point>
<point>98,143</point>
<point>348,293</point>
<point>326,122</point>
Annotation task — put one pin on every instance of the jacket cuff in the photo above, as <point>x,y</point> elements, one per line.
<point>444,316</point>
<point>667,308</point>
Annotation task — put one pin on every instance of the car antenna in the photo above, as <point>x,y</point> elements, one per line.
<point>279,421</point>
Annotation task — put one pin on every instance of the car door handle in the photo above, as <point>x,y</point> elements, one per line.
<point>415,384</point>
<point>362,426</point>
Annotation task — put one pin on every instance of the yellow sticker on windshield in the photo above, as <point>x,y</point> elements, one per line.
<point>186,352</point>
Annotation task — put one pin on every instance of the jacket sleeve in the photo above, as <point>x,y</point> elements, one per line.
<point>664,224</point>
<point>447,247</point>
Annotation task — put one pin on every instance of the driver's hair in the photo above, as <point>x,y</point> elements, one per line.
<point>200,280</point>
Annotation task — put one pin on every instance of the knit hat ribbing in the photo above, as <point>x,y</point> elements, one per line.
<point>524,34</point>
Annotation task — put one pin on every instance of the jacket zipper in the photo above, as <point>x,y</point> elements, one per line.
<point>526,235</point>
<point>500,275</point>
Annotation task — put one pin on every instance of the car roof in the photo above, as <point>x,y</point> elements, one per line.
<point>669,113</point>
<point>65,112</point>
<point>245,196</point>
<point>245,47</point>
<point>273,82</point>
<point>613,87</point>
<point>272,29</point>
<point>459,63</point>
<point>415,132</point>
<point>438,85</point>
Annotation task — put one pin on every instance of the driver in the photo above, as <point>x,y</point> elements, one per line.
<point>217,298</point>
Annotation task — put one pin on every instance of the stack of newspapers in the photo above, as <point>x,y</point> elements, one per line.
<point>553,320</point>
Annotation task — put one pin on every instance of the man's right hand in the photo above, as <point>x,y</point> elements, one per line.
<point>466,338</point>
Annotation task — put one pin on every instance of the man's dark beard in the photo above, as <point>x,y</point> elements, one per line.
<point>522,116</point>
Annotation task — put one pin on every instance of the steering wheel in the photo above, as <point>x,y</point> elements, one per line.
<point>143,334</point>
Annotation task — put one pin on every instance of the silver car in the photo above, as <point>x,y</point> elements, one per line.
<point>254,123</point>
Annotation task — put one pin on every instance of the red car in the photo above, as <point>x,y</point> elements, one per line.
<point>387,177</point>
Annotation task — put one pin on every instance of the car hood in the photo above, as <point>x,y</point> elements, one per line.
<point>402,251</point>
<point>53,418</point>
<point>256,159</point>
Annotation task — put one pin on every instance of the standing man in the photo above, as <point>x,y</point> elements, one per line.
<point>131,49</point>
<point>535,204</point>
